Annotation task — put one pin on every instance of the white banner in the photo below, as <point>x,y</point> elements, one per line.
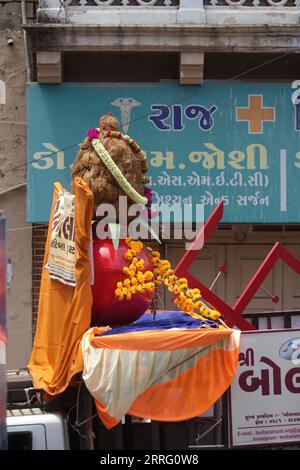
<point>62,256</point>
<point>264,399</point>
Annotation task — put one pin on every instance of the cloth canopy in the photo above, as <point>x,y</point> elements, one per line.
<point>170,373</point>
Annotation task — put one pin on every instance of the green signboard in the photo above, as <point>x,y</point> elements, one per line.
<point>235,141</point>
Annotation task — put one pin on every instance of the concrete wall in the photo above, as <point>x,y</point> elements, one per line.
<point>19,310</point>
<point>13,201</point>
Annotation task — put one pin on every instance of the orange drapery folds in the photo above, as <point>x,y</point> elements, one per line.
<point>64,311</point>
<point>169,375</point>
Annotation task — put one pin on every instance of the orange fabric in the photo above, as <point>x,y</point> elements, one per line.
<point>64,312</point>
<point>190,394</point>
<point>108,421</point>
<point>162,339</point>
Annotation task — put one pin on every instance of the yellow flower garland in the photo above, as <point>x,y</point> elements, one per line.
<point>138,280</point>
<point>187,299</point>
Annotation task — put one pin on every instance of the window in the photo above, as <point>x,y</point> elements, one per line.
<point>19,440</point>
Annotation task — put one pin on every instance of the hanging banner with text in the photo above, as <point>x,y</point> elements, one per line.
<point>239,142</point>
<point>264,398</point>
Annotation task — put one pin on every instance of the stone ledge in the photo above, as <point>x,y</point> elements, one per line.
<point>235,38</point>
<point>211,16</point>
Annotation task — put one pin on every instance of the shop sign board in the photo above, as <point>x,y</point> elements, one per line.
<point>235,141</point>
<point>264,398</point>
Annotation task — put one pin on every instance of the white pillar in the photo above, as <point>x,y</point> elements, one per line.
<point>191,12</point>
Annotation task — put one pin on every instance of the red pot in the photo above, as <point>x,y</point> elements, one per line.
<point>108,270</point>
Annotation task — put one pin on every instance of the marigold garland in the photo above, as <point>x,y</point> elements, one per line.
<point>187,299</point>
<point>138,280</point>
<point>131,142</point>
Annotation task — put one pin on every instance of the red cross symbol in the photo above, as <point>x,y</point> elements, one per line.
<point>255,114</point>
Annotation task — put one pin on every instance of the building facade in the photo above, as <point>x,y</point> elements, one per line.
<point>197,46</point>
<point>13,133</point>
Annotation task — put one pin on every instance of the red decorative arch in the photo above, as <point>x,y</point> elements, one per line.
<point>233,315</point>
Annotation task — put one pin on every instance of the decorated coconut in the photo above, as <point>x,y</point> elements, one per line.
<point>126,274</point>
<point>114,165</point>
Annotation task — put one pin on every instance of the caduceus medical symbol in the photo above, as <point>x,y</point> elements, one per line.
<point>125,105</point>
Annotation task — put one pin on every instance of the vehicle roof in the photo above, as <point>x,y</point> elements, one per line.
<point>25,416</point>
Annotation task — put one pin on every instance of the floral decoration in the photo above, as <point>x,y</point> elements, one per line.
<point>137,280</point>
<point>148,195</point>
<point>93,134</point>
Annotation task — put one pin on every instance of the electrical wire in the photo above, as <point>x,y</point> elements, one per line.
<point>213,87</point>
<point>24,228</point>
<point>75,426</point>
<point>2,173</point>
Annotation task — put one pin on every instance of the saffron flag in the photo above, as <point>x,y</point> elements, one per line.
<point>166,373</point>
<point>64,313</point>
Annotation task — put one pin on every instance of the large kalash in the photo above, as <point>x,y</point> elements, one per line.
<point>99,316</point>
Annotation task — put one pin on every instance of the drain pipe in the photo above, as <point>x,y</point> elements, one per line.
<point>27,59</point>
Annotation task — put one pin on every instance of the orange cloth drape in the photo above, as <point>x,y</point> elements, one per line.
<point>190,394</point>
<point>64,311</point>
<point>164,375</point>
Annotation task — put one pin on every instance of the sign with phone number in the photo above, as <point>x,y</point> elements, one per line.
<point>264,396</point>
<point>235,141</point>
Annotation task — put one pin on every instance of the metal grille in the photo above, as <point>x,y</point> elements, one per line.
<point>123,3</point>
<point>251,3</point>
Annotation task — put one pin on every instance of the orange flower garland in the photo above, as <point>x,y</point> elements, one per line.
<point>138,280</point>
<point>187,299</point>
<point>131,142</point>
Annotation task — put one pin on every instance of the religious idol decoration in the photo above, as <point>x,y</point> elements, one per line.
<point>126,273</point>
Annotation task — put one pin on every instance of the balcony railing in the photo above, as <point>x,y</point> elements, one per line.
<point>124,3</point>
<point>165,13</point>
<point>251,3</point>
<point>178,3</point>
